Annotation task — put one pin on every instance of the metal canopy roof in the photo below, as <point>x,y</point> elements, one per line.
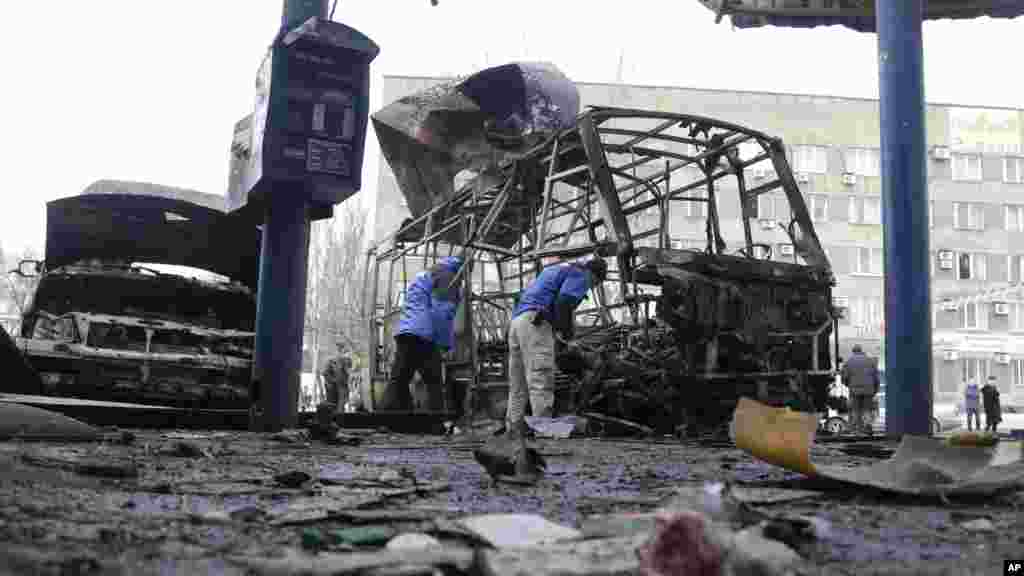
<point>855,14</point>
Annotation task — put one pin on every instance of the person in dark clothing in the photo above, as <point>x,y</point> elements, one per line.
<point>424,331</point>
<point>993,409</point>
<point>336,375</point>
<point>860,374</point>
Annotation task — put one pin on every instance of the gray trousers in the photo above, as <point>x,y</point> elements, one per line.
<point>972,414</point>
<point>861,411</point>
<point>531,369</point>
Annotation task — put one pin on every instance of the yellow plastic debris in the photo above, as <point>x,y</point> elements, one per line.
<point>920,465</point>
<point>972,439</point>
<point>778,436</point>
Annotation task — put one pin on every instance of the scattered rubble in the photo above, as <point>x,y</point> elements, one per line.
<point>920,466</point>
<point>293,479</point>
<point>432,510</point>
<point>979,525</point>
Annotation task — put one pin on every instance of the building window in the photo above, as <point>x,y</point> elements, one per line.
<point>973,370</point>
<point>1014,218</point>
<point>862,161</point>
<point>1016,317</point>
<point>865,210</point>
<point>1017,367</point>
<point>812,159</point>
<point>869,261</point>
<point>865,316</point>
<point>972,316</point>
<point>966,167</point>
<point>819,207</point>
<point>1013,170</point>
<point>971,266</point>
<point>968,216</point>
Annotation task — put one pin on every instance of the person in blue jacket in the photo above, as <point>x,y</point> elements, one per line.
<point>425,330</point>
<point>544,312</point>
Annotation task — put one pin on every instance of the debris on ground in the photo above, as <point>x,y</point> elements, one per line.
<point>293,479</point>
<point>413,541</point>
<point>85,465</point>
<point>683,543</point>
<point>329,564</point>
<point>363,535</point>
<point>31,423</point>
<point>558,428</point>
<point>979,525</point>
<point>868,450</point>
<point>291,437</point>
<point>427,507</point>
<point>920,466</point>
<point>510,460</point>
<point>518,530</point>
<point>185,449</point>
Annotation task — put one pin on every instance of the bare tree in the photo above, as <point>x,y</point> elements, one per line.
<point>16,288</point>
<point>334,297</point>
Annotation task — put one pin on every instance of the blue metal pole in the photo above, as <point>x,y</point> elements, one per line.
<point>281,309</point>
<point>281,294</point>
<point>908,315</point>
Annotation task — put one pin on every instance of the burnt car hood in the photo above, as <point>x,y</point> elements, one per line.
<point>154,224</point>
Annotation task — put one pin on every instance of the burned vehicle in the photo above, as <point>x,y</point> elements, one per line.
<point>718,285</point>
<point>102,325</point>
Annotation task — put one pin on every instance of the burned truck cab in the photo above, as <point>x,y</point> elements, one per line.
<point>101,325</point>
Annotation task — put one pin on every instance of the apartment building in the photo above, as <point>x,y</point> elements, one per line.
<point>976,186</point>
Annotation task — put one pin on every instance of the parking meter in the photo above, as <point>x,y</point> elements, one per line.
<point>309,121</point>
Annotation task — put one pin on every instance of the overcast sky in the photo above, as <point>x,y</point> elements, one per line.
<point>149,90</point>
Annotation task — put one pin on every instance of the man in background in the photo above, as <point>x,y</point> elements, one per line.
<point>993,409</point>
<point>860,374</point>
<point>336,375</point>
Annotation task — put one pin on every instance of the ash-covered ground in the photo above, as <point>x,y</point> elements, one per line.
<point>196,502</point>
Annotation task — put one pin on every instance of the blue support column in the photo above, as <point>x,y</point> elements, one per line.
<point>281,294</point>
<point>908,316</point>
<point>281,310</point>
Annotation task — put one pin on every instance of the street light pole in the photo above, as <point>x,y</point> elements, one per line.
<point>281,294</point>
<point>908,338</point>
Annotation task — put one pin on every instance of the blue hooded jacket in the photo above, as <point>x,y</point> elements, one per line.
<point>429,310</point>
<point>556,282</point>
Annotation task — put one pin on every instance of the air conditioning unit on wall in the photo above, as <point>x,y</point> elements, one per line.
<point>841,301</point>
<point>1002,358</point>
<point>940,153</point>
<point>1001,308</point>
<point>849,178</point>
<point>945,259</point>
<point>767,223</point>
<point>950,355</point>
<point>949,305</point>
<point>803,177</point>
<point>786,249</point>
